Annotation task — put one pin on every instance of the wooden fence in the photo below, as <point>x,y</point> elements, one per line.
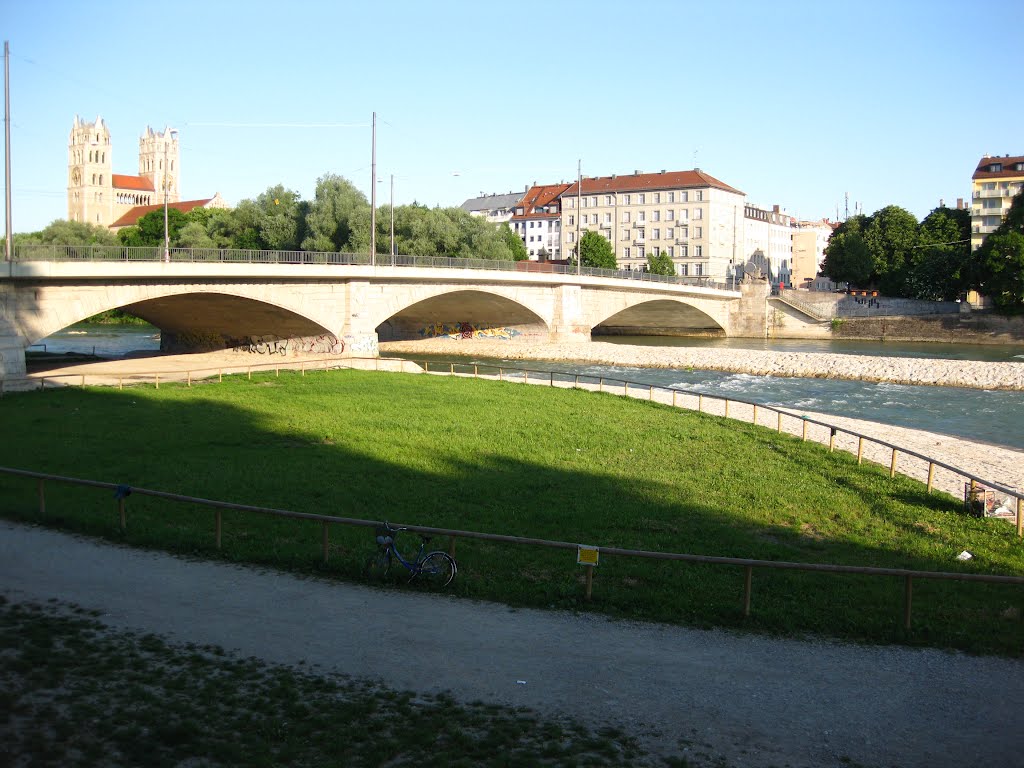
<point>974,482</point>
<point>121,492</point>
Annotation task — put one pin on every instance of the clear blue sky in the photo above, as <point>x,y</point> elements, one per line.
<point>795,103</point>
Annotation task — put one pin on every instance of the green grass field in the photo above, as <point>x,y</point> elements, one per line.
<point>504,458</point>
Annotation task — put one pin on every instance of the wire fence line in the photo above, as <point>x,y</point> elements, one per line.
<point>513,374</point>
<point>123,491</point>
<point>113,253</point>
<point>679,397</point>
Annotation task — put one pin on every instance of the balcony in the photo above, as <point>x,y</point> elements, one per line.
<point>640,243</point>
<point>606,225</point>
<point>982,229</point>
<point>980,193</point>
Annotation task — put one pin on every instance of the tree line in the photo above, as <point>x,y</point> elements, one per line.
<point>931,259</point>
<point>337,219</point>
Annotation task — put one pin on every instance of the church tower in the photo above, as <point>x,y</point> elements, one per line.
<point>90,183</point>
<point>159,161</point>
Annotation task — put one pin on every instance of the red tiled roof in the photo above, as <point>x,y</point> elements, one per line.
<point>539,197</point>
<point>642,182</point>
<point>1007,162</point>
<point>121,181</point>
<point>139,211</point>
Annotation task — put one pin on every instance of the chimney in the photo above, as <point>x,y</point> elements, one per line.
<point>959,203</point>
<point>775,209</point>
<point>636,172</point>
<point>662,170</point>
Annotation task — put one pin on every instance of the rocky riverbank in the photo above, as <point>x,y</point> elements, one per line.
<point>897,370</point>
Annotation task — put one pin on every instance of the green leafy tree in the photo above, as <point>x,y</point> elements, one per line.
<point>513,242</point>
<point>940,268</point>
<point>331,214</point>
<point>595,251</point>
<point>661,265</point>
<point>847,258</point>
<point>149,229</point>
<point>63,232</point>
<point>194,235</point>
<point>891,234</point>
<point>997,268</point>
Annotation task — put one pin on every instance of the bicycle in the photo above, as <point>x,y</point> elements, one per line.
<point>437,568</point>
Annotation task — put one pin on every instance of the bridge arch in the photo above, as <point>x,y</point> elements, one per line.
<point>228,312</point>
<point>467,313</point>
<point>665,316</point>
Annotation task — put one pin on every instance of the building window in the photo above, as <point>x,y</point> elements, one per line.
<point>657,215</point>
<point>684,197</point>
<point>639,251</point>
<point>657,251</point>
<point>572,220</point>
<point>657,234</point>
<point>640,216</point>
<point>671,252</point>
<point>625,253</point>
<point>641,199</point>
<point>669,233</point>
<point>593,202</point>
<point>671,197</point>
<point>625,217</point>
<point>657,199</point>
<point>698,233</point>
<point>698,269</point>
<point>698,213</point>
<point>684,214</point>
<point>698,252</point>
<point>669,215</point>
<point>698,195</point>
<point>584,202</point>
<point>625,199</point>
<point>684,251</point>
<point>640,234</point>
<point>608,200</point>
<point>684,270</point>
<point>607,218</point>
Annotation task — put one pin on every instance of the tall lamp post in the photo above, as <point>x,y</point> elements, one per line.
<point>373,195</point>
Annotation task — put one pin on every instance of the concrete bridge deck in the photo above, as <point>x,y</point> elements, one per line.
<point>213,300</point>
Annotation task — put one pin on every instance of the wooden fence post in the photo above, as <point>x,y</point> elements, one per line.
<point>860,449</point>
<point>832,440</point>
<point>931,475</point>
<point>700,403</point>
<point>780,422</point>
<point>805,429</point>
<point>727,408</point>
<point>190,378</point>
<point>755,414</point>
<point>892,465</point>
<point>1020,514</point>
<point>908,594</point>
<point>747,579</point>
<point>674,398</point>
<point>652,393</point>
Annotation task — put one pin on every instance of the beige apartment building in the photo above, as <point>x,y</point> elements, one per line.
<point>993,186</point>
<point>690,216</point>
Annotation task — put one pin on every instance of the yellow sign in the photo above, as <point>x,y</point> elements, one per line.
<point>586,555</point>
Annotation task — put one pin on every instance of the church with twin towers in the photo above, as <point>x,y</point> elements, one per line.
<point>97,195</point>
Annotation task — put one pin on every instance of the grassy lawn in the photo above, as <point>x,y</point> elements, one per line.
<point>74,693</point>
<point>505,458</point>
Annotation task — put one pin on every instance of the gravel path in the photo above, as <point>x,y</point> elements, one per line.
<point>753,701</point>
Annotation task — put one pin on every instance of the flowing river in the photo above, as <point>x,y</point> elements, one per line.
<point>990,416</point>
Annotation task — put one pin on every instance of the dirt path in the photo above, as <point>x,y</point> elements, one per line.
<point>753,701</point>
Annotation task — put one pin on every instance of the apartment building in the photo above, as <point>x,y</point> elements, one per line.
<point>994,184</point>
<point>537,219</point>
<point>689,215</point>
<point>496,208</point>
<point>768,242</point>
<point>810,239</point>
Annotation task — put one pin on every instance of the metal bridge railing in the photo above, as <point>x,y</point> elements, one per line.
<point>107,253</point>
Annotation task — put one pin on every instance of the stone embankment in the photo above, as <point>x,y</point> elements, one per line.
<point>896,370</point>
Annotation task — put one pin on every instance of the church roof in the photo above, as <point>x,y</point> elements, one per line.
<point>139,211</point>
<point>120,181</point>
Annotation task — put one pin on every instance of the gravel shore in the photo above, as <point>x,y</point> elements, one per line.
<point>972,374</point>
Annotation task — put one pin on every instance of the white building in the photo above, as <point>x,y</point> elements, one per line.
<point>768,242</point>
<point>537,219</point>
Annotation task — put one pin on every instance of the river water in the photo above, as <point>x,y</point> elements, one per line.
<point>990,416</point>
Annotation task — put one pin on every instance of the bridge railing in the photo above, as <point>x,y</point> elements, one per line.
<point>107,253</point>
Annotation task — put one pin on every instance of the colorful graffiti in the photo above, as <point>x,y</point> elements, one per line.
<point>365,346</point>
<point>324,344</point>
<point>467,331</point>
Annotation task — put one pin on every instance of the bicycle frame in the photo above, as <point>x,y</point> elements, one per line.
<point>413,566</point>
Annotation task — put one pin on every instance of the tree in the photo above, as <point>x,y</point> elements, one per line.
<point>847,258</point>
<point>661,265</point>
<point>595,251</point>
<point>63,232</point>
<point>514,243</point>
<point>891,234</point>
<point>331,214</point>
<point>149,229</point>
<point>940,264</point>
<point>997,268</point>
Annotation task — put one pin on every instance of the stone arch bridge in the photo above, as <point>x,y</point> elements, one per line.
<point>347,309</point>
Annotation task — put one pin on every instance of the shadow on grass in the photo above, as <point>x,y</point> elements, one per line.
<point>481,456</point>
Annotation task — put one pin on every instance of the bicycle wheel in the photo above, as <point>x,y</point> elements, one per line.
<point>437,569</point>
<point>377,566</point>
